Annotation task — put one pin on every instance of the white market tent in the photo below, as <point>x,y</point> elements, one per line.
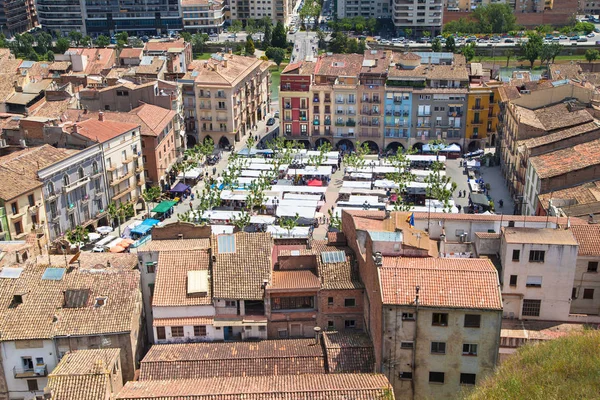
<point>220,229</point>
<point>262,219</point>
<point>299,203</point>
<point>193,173</point>
<point>356,185</point>
<point>251,173</point>
<point>298,189</point>
<point>350,190</point>
<point>294,196</point>
<point>322,170</point>
<point>298,232</point>
<point>361,175</point>
<point>291,211</point>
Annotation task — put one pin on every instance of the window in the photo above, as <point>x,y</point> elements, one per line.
<point>66,180</point>
<point>531,308</point>
<point>513,280</point>
<point>160,333</point>
<point>31,201</point>
<point>440,319</point>
<point>472,320</point>
<point>537,256</point>
<point>438,348</point>
<point>467,379</point>
<point>574,293</point>
<point>407,345</point>
<point>177,331</point>
<point>534,281</point>
<point>282,333</point>
<point>516,255</point>
<point>14,208</point>
<point>405,375</point>
<point>50,188</point>
<point>80,173</point>
<point>100,301</point>
<point>436,377</point>
<point>230,303</point>
<point>330,325</point>
<point>291,303</point>
<point>18,227</point>
<point>593,266</point>
<point>288,128</point>
<point>469,349</point>
<point>200,330</point>
<point>262,328</point>
<point>330,301</point>
<point>151,267</point>
<point>349,303</point>
<point>588,294</point>
<point>32,385</point>
<point>350,324</point>
<point>408,316</point>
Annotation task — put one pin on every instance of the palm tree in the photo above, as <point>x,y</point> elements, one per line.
<point>151,195</point>
<point>77,235</point>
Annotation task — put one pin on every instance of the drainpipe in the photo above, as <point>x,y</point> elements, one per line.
<point>414,353</point>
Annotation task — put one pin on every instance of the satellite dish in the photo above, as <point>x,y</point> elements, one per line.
<point>75,257</point>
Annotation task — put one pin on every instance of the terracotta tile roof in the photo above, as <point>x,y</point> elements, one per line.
<point>241,274</point>
<point>153,68</point>
<point>172,276</point>
<point>567,160</point>
<point>407,56</point>
<point>291,387</point>
<point>185,321</point>
<point>214,72</point>
<point>562,134</point>
<point>101,131</point>
<point>174,245</point>
<point>163,45</point>
<point>588,237</point>
<point>582,194</point>
<point>444,282</point>
<point>83,375</point>
<point>205,360</point>
<point>98,59</point>
<point>339,65</point>
<point>560,116</point>
<point>539,236</point>
<point>565,71</point>
<point>19,169</point>
<point>487,235</point>
<point>131,53</point>
<point>349,352</point>
<point>300,279</point>
<point>292,67</point>
<point>55,109</point>
<point>155,117</point>
<point>376,61</point>
<point>43,314</point>
<point>336,238</point>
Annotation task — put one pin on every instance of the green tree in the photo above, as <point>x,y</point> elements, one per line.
<point>150,196</point>
<point>426,34</point>
<point>289,223</point>
<point>3,42</point>
<point>371,25</point>
<point>62,45</point>
<point>119,213</point>
<point>408,32</point>
<point>198,41</point>
<point>43,42</point>
<point>549,52</point>
<point>356,159</point>
<point>352,46</point>
<point>494,18</point>
<point>592,55</point>
<point>235,27</point>
<point>544,29</point>
<point>242,221</point>
<point>86,41</point>
<point>450,45</point>
<point>251,27</point>
<point>436,45</point>
<point>532,49</point>
<point>77,235</point>
<point>402,176</point>
<point>276,54</point>
<point>101,41</point>
<point>468,51</point>
<point>249,46</point>
<point>338,42</point>
<point>186,36</point>
<point>279,37</point>
<point>268,34</point>
<point>585,27</point>
<point>122,36</point>
<point>75,37</point>
<point>50,55</point>
<point>321,38</point>
<point>362,46</point>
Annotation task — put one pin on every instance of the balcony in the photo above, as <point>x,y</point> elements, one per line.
<point>477,108</point>
<point>17,215</point>
<point>340,112</point>
<point>72,186</point>
<point>85,199</point>
<point>351,101</point>
<point>315,100</point>
<point>397,100</point>
<point>327,100</point>
<point>477,122</point>
<point>339,123</point>
<point>122,193</point>
<point>54,217</point>
<point>287,106</point>
<point>33,210</point>
<point>205,118</point>
<point>139,167</point>
<point>454,113</point>
<point>28,373</point>
<point>327,122</point>
<point>316,122</point>
<point>339,101</point>
<point>351,122</point>
<point>95,173</point>
<point>121,179</point>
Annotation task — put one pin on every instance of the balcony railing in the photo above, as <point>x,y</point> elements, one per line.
<point>72,186</point>
<point>351,122</point>
<point>339,123</point>
<point>24,373</point>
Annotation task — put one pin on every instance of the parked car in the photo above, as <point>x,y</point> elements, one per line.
<point>582,40</point>
<point>590,35</point>
<point>576,37</point>
<point>271,121</point>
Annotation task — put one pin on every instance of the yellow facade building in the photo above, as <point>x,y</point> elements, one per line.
<point>482,115</point>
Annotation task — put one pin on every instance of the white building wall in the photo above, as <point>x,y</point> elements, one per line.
<point>147,282</point>
<point>12,357</point>
<point>183,311</point>
<point>212,333</point>
<point>586,278</point>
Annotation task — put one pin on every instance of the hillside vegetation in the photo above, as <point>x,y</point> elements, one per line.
<point>565,368</point>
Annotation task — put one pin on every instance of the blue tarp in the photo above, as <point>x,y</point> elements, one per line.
<point>180,188</point>
<point>145,226</point>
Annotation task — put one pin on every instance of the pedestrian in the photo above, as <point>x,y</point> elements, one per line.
<point>214,170</point>
<point>464,193</point>
<point>191,206</point>
<point>459,207</point>
<point>459,193</point>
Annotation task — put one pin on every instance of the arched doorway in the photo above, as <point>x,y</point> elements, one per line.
<point>493,141</point>
<point>373,147</point>
<point>208,139</point>
<point>191,141</point>
<point>394,147</point>
<point>224,142</point>
<point>473,146</point>
<point>459,146</point>
<point>418,147</point>
<point>320,142</point>
<point>345,145</point>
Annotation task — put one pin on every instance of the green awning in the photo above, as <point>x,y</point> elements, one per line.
<point>163,206</point>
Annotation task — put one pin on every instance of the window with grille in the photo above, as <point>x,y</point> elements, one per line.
<point>405,375</point>
<point>537,256</point>
<point>408,316</point>
<point>349,302</point>
<point>531,308</point>
<point>438,348</point>
<point>472,320</point>
<point>469,349</point>
<point>513,280</point>
<point>200,330</point>
<point>350,324</point>
<point>291,303</point>
<point>407,345</point>
<point>516,255</point>
<point>177,331</point>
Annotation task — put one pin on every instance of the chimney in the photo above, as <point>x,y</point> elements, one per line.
<point>225,63</point>
<point>230,50</point>
<point>75,128</point>
<point>317,334</point>
<point>100,116</point>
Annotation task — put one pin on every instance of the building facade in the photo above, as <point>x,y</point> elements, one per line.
<point>224,97</point>
<point>276,10</point>
<point>21,16</point>
<point>203,16</point>
<point>61,16</point>
<point>75,192</point>
<point>585,298</point>
<point>422,16</point>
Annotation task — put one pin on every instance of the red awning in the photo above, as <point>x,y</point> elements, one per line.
<point>315,182</point>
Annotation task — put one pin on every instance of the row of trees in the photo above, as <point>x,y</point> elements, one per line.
<point>491,18</point>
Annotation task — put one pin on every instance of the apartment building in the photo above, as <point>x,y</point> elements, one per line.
<point>21,16</point>
<point>148,256</point>
<point>23,207</point>
<point>177,52</point>
<point>362,8</point>
<point>581,201</point>
<point>435,344</point>
<point>420,16</point>
<point>482,110</point>
<point>276,10</point>
<point>98,371</point>
<point>121,145</point>
<point>61,16</point>
<point>203,16</point>
<point>585,297</point>
<point>389,101</point>
<point>75,191</point>
<point>536,266</point>
<point>224,97</point>
<point>553,115</point>
<point>95,304</point>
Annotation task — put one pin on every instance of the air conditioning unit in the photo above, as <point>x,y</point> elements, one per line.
<point>525,91</point>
